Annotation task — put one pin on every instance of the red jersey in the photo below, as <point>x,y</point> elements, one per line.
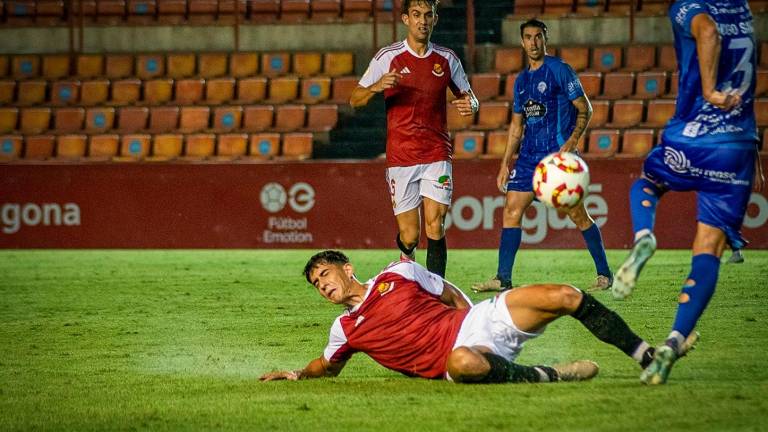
<point>401,323</point>
<point>416,117</point>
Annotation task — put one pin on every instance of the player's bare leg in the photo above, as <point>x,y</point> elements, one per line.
<point>594,240</point>
<point>434,225</point>
<point>409,228</point>
<point>515,204</point>
<point>698,289</point>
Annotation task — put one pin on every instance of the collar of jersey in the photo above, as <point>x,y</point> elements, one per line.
<point>413,53</point>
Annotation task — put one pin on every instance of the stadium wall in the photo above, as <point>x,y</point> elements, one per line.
<point>316,204</point>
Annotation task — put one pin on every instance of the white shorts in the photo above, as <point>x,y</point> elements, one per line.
<point>408,184</point>
<point>489,324</point>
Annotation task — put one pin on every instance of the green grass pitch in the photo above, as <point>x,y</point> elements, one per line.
<point>176,340</point>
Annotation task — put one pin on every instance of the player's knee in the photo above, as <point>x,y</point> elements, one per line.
<point>466,365</point>
<point>435,228</point>
<point>565,298</point>
<point>512,214</point>
<point>409,236</point>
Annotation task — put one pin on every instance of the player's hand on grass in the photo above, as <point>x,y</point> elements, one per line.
<point>724,100</point>
<point>501,179</point>
<point>387,81</point>
<point>281,375</point>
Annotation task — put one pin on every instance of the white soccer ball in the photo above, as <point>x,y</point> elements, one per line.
<point>561,180</point>
<point>273,197</point>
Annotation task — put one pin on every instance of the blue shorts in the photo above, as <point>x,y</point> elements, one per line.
<point>521,176</point>
<point>722,176</point>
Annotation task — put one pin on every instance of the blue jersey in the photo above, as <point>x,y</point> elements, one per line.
<point>543,96</point>
<point>695,120</point>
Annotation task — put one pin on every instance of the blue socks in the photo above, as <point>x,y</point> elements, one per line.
<point>643,198</point>
<point>510,243</point>
<point>595,245</point>
<point>697,291</point>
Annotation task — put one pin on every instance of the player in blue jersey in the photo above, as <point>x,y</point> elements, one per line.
<point>708,146</point>
<point>552,109</point>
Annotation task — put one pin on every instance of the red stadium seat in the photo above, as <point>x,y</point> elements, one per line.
<point>163,119</point>
<point>200,146</point>
<point>166,146</point>
<point>290,117</point>
<point>357,10</point>
<point>496,143</point>
<point>761,86</point>
<point>188,91</point>
<point>618,85</point>
<point>34,120</point>
<point>651,84</point>
<point>575,56</point>
<point>65,93</point>
<point>558,8</point>
<point>322,118</point>
<point>297,145</point>
<point>31,92</point>
<point>673,83</point>
<point>456,121</point>
<point>132,119</point>
<point>761,111</point>
<point>99,119</point>
<point>227,118</point>
<point>667,58</point>
<point>283,89</point>
<point>202,11</point>
<point>315,89</point>
<point>49,12</point>
<point>219,90</point>
<point>265,11</point>
<point>485,85</point>
<point>307,64</point>
<point>228,10</point>
<point>149,66</point>
<point>103,147</point>
<point>55,66</point>
<point>158,91</point>
<point>38,147</point>
<point>251,90</point>
<point>528,8</point>
<point>25,67</point>
<point>637,142</point>
<point>141,11</point>
<point>338,63</point>
<point>603,142</point>
<point>590,7</point>
<point>125,91</point>
<point>294,11</point>
<point>68,119</point>
<point>171,12</point>
<point>606,58</point>
<point>119,66</point>
<point>90,66</point>
<point>71,147</point>
<point>275,63</point>
<point>9,118</point>
<point>509,88</point>
<point>508,59</point>
<point>110,11</point>
<point>468,144</point>
<point>94,92</point>
<point>640,58</point>
<point>212,65</point>
<point>600,111</point>
<point>257,118</point>
<point>659,112</point>
<point>133,147</point>
<point>264,145</point>
<point>243,64</point>
<point>7,92</point>
<point>493,115</point>
<point>626,113</point>
<point>591,82</point>
<point>4,64</point>
<point>10,147</point>
<point>342,88</point>
<point>325,10</point>
<point>231,145</point>
<point>194,118</point>
<point>180,65</point>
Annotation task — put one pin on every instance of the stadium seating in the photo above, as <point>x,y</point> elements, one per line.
<point>493,115</point>
<point>603,142</point>
<point>651,84</point>
<point>7,91</point>
<point>231,145</point>
<point>99,119</point>
<point>55,66</point>
<point>264,145</point>
<point>9,118</point>
<point>65,93</point>
<point>10,147</point>
<point>212,65</point>
<point>219,90</point>
<point>626,113</point>
<point>134,147</point>
<point>180,65</point>
<point>761,111</point>
<point>456,121</point>
<point>307,64</point>
<point>336,64</point>
<point>600,112</point>
<point>289,117</point>
<point>251,90</point>
<point>68,119</point>
<point>618,85</point>
<point>342,89</point>
<point>166,146</point>
<point>194,118</point>
<point>163,119</point>
<point>94,92</point>
<point>227,118</point>
<point>322,117</point>
<point>71,147</point>
<point>283,89</point>
<point>258,118</point>
<point>509,87</point>
<point>508,59</point>
<point>468,144</point>
<point>34,120</point>
<point>31,92</point>
<point>188,91</point>
<point>38,147</point>
<point>126,91</point>
<point>606,58</point>
<point>496,143</point>
<point>637,142</point>
<point>132,119</point>
<point>103,146</point>
<point>659,112</point>
<point>315,89</point>
<point>297,145</point>
<point>640,58</point>
<point>576,56</point>
<point>592,83</point>
<point>243,64</point>
<point>157,91</point>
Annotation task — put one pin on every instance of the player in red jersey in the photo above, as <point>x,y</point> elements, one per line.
<point>413,75</point>
<point>417,323</point>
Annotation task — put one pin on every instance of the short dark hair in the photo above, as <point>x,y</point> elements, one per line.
<point>407,5</point>
<point>324,257</point>
<point>533,22</point>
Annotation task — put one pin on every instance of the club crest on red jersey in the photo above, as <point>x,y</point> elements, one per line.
<point>437,70</point>
<point>384,287</point>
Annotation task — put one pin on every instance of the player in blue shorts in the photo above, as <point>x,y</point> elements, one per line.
<point>708,146</point>
<point>552,109</point>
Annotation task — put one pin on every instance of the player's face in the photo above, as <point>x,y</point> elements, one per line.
<point>421,19</point>
<point>534,43</point>
<point>333,281</point>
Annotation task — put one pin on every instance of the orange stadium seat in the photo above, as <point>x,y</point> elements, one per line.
<point>25,66</point>
<point>38,147</point>
<point>70,147</point>
<point>322,117</point>
<point>485,85</point>
<point>99,119</point>
<point>134,147</point>
<point>603,142</point>
<point>68,119</point>
<point>4,64</point>
<point>456,121</point>
<point>275,63</point>
<point>620,7</point>
<point>496,143</point>
<point>55,66</point>
<point>150,66</point>
<point>250,90</point>
<point>243,64</point>
<point>171,11</point>
<point>202,11</point>
<point>265,11</point>
<point>194,118</point>
<point>49,12</point>
<point>212,65</point>
<point>132,119</point>
<point>264,145</point>
<point>651,84</point>
<point>325,10</point>
<point>338,63</point>
<point>283,89</point>
<point>468,144</point>
<point>199,145</point>
<point>9,118</point>
<point>180,65</point>
<point>654,7</point>
<point>667,58</point>
<point>118,66</point>
<point>626,113</point>
<point>188,91</point>
<point>227,118</point>
<point>7,91</point>
<point>673,83</point>
<point>163,119</point>
<point>761,111</point>
<point>297,145</point>
<point>167,146</point>
<point>640,58</point>
<point>141,11</point>
<point>257,118</point>
<point>606,58</point>
<point>294,11</point>
<point>764,54</point>
<point>509,87</point>
<point>315,89</point>
<point>307,63</point>
<point>103,146</point>
<point>590,7</point>
<point>231,145</point>
<point>158,91</point>
<point>558,7</point>
<point>600,110</point>
<point>34,120</point>
<point>226,12</point>
<point>125,91</point>
<point>89,66</point>
<point>86,9</point>
<point>659,112</point>
<point>219,90</point>
<point>342,89</point>
<point>31,92</point>
<point>10,147</point>
<point>357,10</point>
<point>290,117</point>
<point>94,92</point>
<point>576,56</point>
<point>65,93</point>
<point>637,142</point>
<point>508,59</point>
<point>761,86</point>
<point>20,12</point>
<point>528,7</point>
<point>618,85</point>
<point>493,115</point>
<point>110,11</point>
<point>591,82</point>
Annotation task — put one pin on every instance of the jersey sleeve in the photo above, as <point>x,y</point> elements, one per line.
<point>337,349</point>
<point>517,103</point>
<point>683,12</point>
<point>376,69</point>
<point>427,280</point>
<point>459,80</point>
<point>569,81</point>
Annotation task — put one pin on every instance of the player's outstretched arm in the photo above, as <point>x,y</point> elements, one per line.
<point>317,368</point>
<point>513,142</point>
<point>704,30</point>
<point>583,116</point>
<point>467,104</point>
<point>362,95</point>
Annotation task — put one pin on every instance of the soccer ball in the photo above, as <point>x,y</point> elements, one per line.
<point>561,180</point>
<point>273,197</point>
